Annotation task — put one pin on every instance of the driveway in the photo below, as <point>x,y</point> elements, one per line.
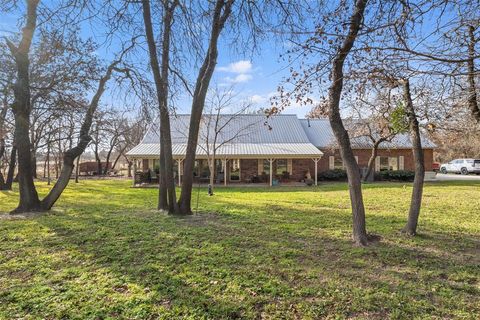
<point>456,177</point>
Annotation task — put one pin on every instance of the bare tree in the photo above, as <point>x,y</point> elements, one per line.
<point>22,108</point>
<point>222,112</point>
<point>220,14</point>
<point>416,202</point>
<point>167,196</point>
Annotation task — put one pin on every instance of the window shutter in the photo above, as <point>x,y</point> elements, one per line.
<point>260,166</point>
<point>356,159</point>
<point>331,162</point>
<point>289,166</point>
<point>377,164</point>
<point>401,163</point>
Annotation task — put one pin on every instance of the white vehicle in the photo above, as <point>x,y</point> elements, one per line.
<point>463,166</point>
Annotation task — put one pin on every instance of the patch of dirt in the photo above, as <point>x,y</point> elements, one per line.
<point>27,215</point>
<point>199,219</point>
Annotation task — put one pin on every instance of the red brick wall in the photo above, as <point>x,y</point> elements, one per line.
<point>145,164</point>
<point>248,168</point>
<point>300,167</point>
<point>364,155</point>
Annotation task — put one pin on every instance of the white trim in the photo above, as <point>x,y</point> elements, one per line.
<point>289,166</point>
<point>260,166</point>
<point>239,170</point>
<point>331,162</point>
<point>377,163</point>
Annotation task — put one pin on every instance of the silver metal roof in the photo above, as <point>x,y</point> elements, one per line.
<point>239,128</point>
<point>321,135</point>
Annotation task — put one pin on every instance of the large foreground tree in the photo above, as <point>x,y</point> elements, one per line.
<point>221,12</point>
<point>22,109</point>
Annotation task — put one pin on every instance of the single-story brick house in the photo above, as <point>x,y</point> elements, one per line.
<point>251,148</point>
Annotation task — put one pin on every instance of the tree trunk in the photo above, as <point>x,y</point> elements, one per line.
<point>162,180</point>
<point>77,169</point>
<point>107,161</point>
<point>21,108</point>
<point>472,89</point>
<point>371,161</point>
<point>167,194</point>
<point>201,87</point>
<point>130,164</point>
<point>34,164</point>
<point>212,172</point>
<point>334,95</point>
<point>2,152</point>
<point>99,161</point>
<point>416,202</point>
<point>48,164</point>
<point>11,169</point>
<point>3,115</point>
<point>118,157</point>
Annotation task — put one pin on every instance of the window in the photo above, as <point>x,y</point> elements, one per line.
<point>338,163</point>
<point>200,169</point>
<point>281,166</point>
<point>235,170</point>
<point>388,163</point>
<point>266,166</point>
<point>393,163</point>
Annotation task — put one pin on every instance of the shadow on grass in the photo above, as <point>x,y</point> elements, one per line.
<point>227,266</point>
<point>241,260</point>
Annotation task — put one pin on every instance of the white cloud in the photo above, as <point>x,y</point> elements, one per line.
<point>242,66</point>
<point>241,78</point>
<point>256,98</point>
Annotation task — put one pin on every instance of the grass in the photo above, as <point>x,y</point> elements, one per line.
<point>250,253</point>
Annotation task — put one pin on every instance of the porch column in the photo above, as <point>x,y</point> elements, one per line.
<point>179,165</point>
<point>271,171</point>
<point>224,164</point>
<point>316,169</point>
<point>134,170</point>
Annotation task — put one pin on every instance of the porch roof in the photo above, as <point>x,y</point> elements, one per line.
<point>234,150</point>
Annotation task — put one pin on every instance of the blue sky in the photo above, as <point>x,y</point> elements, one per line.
<point>254,78</point>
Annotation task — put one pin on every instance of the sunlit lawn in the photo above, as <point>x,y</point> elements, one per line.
<point>104,252</point>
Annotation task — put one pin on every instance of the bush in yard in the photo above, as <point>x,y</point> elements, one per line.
<point>333,175</point>
<point>395,175</point>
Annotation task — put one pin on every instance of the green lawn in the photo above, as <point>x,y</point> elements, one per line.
<point>249,253</point>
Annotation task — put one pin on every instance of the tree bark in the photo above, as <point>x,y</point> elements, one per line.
<point>11,169</point>
<point>334,95</point>
<point>201,87</point>
<point>371,160</point>
<point>77,169</point>
<point>167,194</point>
<point>21,108</point>
<point>472,90</point>
<point>3,115</point>
<point>418,157</point>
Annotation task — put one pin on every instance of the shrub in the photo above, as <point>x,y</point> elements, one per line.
<point>395,175</point>
<point>333,175</point>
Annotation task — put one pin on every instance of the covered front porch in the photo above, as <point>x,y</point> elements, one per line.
<point>235,171</point>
